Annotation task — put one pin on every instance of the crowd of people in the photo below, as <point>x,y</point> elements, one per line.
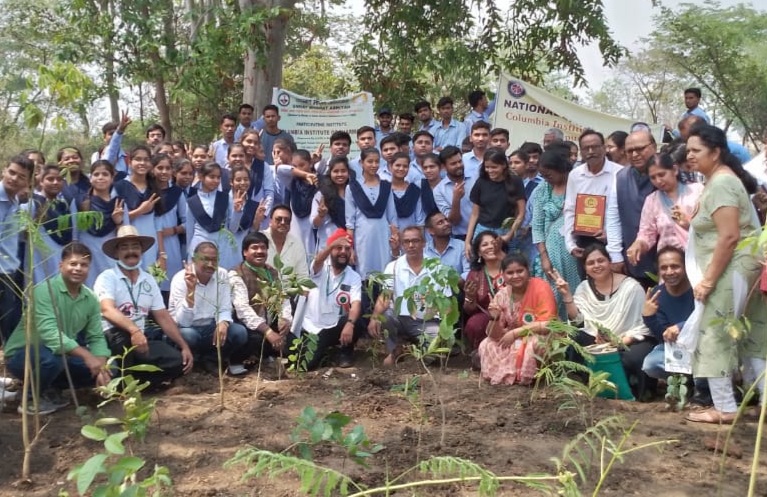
<point>630,240</point>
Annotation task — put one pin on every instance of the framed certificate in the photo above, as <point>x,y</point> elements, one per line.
<point>589,214</point>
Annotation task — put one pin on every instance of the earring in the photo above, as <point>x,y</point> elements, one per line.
<point>479,259</point>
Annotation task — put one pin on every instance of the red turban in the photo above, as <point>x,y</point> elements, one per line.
<point>339,233</point>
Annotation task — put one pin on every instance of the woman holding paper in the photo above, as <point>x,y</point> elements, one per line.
<point>722,274</point>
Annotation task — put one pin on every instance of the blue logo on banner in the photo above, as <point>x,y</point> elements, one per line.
<point>516,89</point>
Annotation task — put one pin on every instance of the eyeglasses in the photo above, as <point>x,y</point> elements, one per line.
<point>637,150</point>
<point>412,241</point>
<point>282,220</point>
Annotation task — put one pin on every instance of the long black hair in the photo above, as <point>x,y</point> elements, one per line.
<point>498,156</point>
<point>713,137</point>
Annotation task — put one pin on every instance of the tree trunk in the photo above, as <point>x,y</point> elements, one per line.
<point>161,101</point>
<point>264,70</point>
<point>110,77</point>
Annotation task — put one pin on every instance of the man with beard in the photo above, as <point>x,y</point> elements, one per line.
<point>334,305</point>
<point>632,186</point>
<point>268,336</point>
<point>128,295</point>
<point>220,148</point>
<point>66,325</point>
<point>201,303</point>
<point>596,176</point>
<point>423,145</point>
<point>452,193</point>
<point>443,246</point>
<point>423,111</point>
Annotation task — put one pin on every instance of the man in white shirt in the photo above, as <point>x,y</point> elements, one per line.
<point>291,250</point>
<point>335,304</point>
<point>268,336</point>
<point>201,303</point>
<point>127,295</point>
<point>407,271</point>
<point>596,176</point>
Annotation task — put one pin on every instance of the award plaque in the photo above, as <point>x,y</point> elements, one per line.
<point>589,214</point>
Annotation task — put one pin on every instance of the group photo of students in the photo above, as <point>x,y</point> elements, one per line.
<point>169,249</point>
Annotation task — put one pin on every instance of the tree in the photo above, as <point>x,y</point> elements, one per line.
<point>427,48</point>
<point>645,87</point>
<point>724,53</point>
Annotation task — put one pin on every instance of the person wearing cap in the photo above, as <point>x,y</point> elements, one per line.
<point>384,128</point>
<point>334,305</point>
<point>201,303</point>
<point>448,131</point>
<point>268,337</point>
<point>128,296</point>
<point>65,327</point>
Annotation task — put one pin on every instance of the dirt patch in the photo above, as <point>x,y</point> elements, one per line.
<point>499,428</point>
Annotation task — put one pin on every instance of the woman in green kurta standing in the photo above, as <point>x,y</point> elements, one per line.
<point>723,218</point>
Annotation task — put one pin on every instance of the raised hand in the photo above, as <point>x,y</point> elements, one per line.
<point>239,200</point>
<point>125,121</point>
<point>650,302</point>
<point>563,287</point>
<point>119,211</point>
<point>148,205</point>
<point>317,154</point>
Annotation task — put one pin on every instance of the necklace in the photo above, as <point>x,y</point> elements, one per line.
<point>493,283</point>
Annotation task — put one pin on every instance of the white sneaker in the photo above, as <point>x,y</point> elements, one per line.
<point>237,369</point>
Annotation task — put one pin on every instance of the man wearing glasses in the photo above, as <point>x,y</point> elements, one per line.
<point>594,179</point>
<point>633,185</point>
<point>289,247</point>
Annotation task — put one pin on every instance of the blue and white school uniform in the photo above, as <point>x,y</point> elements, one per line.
<point>210,217</point>
<point>95,236</point>
<point>230,255</point>
<point>370,210</point>
<point>171,212</point>
<point>262,187</point>
<point>335,218</point>
<point>409,208</point>
<point>300,196</point>
<point>145,224</point>
<point>53,234</point>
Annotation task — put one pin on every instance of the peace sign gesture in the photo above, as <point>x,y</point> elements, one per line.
<point>118,211</point>
<point>125,121</point>
<point>239,200</point>
<point>317,154</point>
<point>651,302</point>
<point>563,287</point>
<point>147,205</point>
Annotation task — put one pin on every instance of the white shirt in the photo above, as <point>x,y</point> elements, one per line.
<point>293,253</point>
<point>323,308</point>
<point>134,300</point>
<point>403,278</point>
<point>581,180</point>
<point>212,302</point>
<point>241,302</point>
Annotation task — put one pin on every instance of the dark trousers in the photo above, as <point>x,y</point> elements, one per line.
<point>331,337</point>
<point>161,354</point>
<point>257,345</point>
<point>51,372</point>
<point>631,358</point>
<point>11,287</point>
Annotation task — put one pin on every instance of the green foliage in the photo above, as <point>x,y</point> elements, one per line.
<point>302,352</point>
<point>430,48</point>
<point>723,54</point>
<point>313,429</point>
<point>114,471</point>
<point>676,391</point>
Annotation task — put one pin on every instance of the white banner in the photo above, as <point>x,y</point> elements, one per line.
<point>528,111</point>
<point>311,121</point>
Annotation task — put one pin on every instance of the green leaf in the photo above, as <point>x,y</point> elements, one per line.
<point>88,472</point>
<point>114,443</point>
<point>143,368</point>
<point>130,464</point>
<point>93,433</point>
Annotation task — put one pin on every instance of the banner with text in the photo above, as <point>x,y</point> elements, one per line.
<point>311,121</point>
<point>528,111</point>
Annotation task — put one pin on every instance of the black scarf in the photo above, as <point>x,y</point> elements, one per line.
<point>337,211</point>
<point>301,195</point>
<point>369,210</point>
<point>170,197</point>
<point>428,204</point>
<point>130,194</point>
<point>48,213</point>
<point>407,203</point>
<point>105,207</point>
<point>220,208</point>
<point>248,214</point>
<point>257,171</point>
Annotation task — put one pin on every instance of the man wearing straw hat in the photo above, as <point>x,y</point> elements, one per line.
<point>128,295</point>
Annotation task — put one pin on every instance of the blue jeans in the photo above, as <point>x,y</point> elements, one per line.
<point>51,369</point>
<point>654,363</point>
<point>200,340</point>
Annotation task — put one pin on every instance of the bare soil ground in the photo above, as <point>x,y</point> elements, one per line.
<point>496,427</point>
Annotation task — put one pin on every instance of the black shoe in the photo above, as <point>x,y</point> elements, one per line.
<point>210,367</point>
<point>345,360</point>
